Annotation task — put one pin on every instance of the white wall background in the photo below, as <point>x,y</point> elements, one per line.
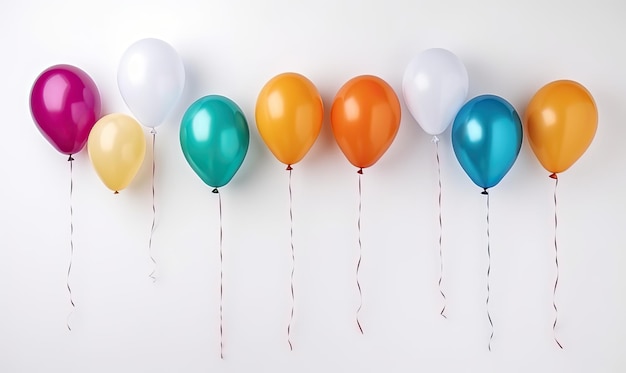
<point>124,323</point>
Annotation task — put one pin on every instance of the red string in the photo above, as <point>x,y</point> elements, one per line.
<point>219,201</point>
<point>556,262</point>
<point>488,270</point>
<point>221,239</point>
<point>293,260</point>
<point>69,267</point>
<point>358,264</point>
<point>443,309</point>
<point>151,275</point>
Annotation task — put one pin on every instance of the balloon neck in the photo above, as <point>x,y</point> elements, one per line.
<point>289,168</point>
<point>554,176</point>
<point>70,158</point>
<point>153,131</point>
<point>215,190</point>
<point>116,192</point>
<point>484,192</point>
<point>360,171</point>
<point>435,140</point>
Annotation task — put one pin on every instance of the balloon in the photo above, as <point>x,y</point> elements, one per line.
<point>214,136</point>
<point>487,138</point>
<point>151,78</point>
<point>561,121</point>
<point>65,105</point>
<point>365,118</point>
<point>289,114</point>
<point>117,147</point>
<point>435,86</point>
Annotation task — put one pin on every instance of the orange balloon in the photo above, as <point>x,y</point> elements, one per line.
<point>365,118</point>
<point>289,115</point>
<point>561,121</point>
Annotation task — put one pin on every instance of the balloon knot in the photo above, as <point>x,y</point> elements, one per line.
<point>153,131</point>
<point>215,190</point>
<point>289,168</point>
<point>360,171</point>
<point>116,192</point>
<point>70,158</point>
<point>435,139</point>
<point>554,176</point>
<point>484,192</point>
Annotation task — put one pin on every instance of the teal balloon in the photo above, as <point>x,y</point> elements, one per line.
<point>487,138</point>
<point>214,137</point>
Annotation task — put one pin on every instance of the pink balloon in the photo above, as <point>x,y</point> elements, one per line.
<point>65,104</point>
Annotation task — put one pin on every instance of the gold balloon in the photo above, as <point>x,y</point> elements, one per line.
<point>289,114</point>
<point>117,147</point>
<point>561,121</point>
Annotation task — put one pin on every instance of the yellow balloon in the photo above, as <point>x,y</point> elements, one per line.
<point>289,114</point>
<point>117,147</point>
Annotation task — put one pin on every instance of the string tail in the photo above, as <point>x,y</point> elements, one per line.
<point>435,141</point>
<point>488,272</point>
<point>69,267</point>
<point>221,238</point>
<point>154,263</point>
<point>556,262</point>
<point>358,263</point>
<point>293,262</point>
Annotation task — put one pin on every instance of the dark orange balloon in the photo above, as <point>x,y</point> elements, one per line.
<point>561,121</point>
<point>365,118</point>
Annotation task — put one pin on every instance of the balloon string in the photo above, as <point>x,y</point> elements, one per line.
<point>69,267</point>
<point>443,295</point>
<point>556,262</point>
<point>152,274</point>
<point>488,271</point>
<point>219,203</point>
<point>358,264</point>
<point>293,260</point>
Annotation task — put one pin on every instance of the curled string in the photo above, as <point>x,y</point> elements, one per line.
<point>488,270</point>
<point>219,204</point>
<point>435,140</point>
<point>358,264</point>
<point>293,260</point>
<point>151,275</point>
<point>556,262</point>
<point>69,267</point>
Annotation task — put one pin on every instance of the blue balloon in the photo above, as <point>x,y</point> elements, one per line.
<point>214,136</point>
<point>487,138</point>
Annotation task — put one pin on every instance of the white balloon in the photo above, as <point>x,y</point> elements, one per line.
<point>434,88</point>
<point>151,78</point>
